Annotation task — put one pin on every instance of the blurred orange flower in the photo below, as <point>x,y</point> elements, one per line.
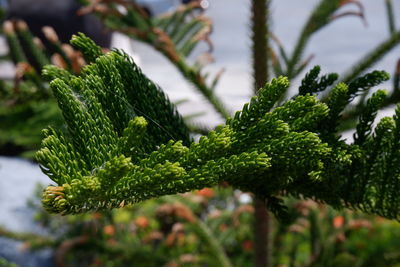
<point>338,221</point>
<point>206,192</point>
<point>142,222</point>
<point>109,230</point>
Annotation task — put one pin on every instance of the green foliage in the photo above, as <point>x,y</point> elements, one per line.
<point>313,84</point>
<point>155,233</point>
<point>5,263</point>
<point>26,104</point>
<point>92,51</point>
<point>21,103</point>
<point>320,236</point>
<point>212,226</point>
<point>20,130</point>
<point>293,148</point>
<point>33,52</point>
<point>364,128</point>
<point>175,35</point>
<point>122,148</point>
<point>324,13</point>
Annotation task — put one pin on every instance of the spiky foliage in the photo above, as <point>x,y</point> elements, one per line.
<point>26,104</point>
<point>113,156</point>
<point>312,83</point>
<point>175,35</point>
<point>322,15</point>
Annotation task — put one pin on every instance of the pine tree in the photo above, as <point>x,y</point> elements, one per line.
<point>127,143</point>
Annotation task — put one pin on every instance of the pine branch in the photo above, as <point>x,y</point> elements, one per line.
<point>174,35</point>
<point>35,53</point>
<point>372,57</point>
<point>113,157</point>
<point>359,86</point>
<point>325,12</point>
<point>16,50</point>
<point>34,241</point>
<point>364,127</point>
<point>56,46</point>
<point>319,18</point>
<point>312,83</point>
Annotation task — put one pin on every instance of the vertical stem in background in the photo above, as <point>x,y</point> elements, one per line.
<point>261,234</point>
<point>390,16</point>
<point>259,28</point>
<point>259,37</point>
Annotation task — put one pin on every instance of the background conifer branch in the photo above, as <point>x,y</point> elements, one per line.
<point>175,35</point>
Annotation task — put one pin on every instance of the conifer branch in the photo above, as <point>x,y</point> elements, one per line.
<point>372,57</point>
<point>319,18</point>
<point>34,241</point>
<point>113,156</point>
<point>37,55</point>
<point>175,35</point>
<point>16,50</point>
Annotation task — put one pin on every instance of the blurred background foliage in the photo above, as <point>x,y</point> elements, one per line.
<point>211,227</point>
<point>192,229</point>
